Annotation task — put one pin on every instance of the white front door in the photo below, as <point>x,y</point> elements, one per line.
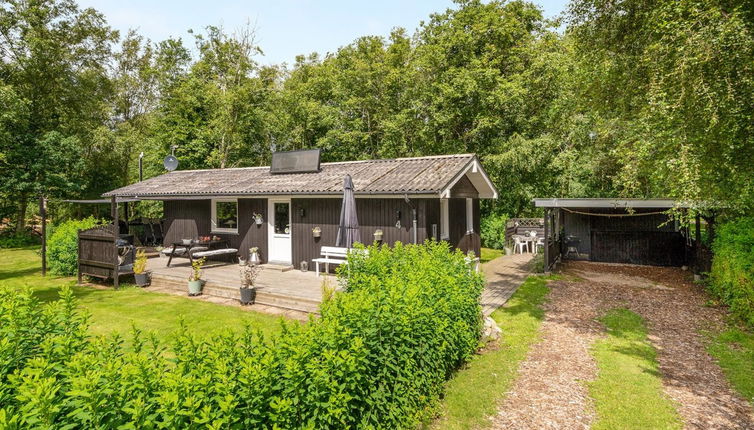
<point>279,230</point>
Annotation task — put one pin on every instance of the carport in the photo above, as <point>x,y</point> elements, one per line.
<point>633,231</point>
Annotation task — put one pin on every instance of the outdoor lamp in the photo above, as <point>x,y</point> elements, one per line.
<point>398,218</point>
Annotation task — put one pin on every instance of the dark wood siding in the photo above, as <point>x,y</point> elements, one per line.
<point>457,223</point>
<point>186,219</point>
<point>657,248</point>
<point>433,218</point>
<point>648,239</point>
<point>577,226</point>
<point>189,219</point>
<point>464,188</point>
<point>373,214</point>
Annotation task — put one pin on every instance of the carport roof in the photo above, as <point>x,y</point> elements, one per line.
<point>610,203</point>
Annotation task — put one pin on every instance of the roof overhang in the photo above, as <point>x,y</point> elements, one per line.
<point>478,177</point>
<point>611,203</point>
<point>208,196</point>
<point>101,201</point>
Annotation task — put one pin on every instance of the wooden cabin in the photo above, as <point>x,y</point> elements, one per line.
<point>276,209</point>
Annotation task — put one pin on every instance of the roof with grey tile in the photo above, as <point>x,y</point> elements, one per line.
<point>420,175</point>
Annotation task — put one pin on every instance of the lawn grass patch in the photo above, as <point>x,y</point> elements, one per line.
<point>489,254</point>
<point>476,390</point>
<point>734,351</point>
<point>114,310</point>
<point>628,390</point>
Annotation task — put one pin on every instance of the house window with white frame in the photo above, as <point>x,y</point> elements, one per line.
<point>444,222</point>
<point>225,216</point>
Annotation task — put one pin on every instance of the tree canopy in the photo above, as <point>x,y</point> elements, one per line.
<point>630,98</point>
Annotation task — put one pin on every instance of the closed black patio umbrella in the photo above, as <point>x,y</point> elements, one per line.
<point>348,229</point>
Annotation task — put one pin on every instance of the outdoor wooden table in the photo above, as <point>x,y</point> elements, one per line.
<point>194,244</point>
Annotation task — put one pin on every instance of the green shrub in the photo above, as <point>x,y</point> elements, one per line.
<point>62,245</point>
<point>538,263</point>
<point>14,240</point>
<point>493,231</point>
<point>376,358</point>
<point>732,275</point>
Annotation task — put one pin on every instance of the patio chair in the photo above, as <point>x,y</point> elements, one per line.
<point>518,245</point>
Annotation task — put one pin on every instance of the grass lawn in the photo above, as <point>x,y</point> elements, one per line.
<point>490,254</point>
<point>628,390</point>
<point>734,351</point>
<point>113,311</point>
<point>475,391</point>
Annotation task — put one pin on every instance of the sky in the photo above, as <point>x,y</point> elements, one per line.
<point>284,28</point>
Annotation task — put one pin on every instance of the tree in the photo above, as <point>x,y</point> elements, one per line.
<point>54,58</point>
<point>673,83</point>
<point>214,114</point>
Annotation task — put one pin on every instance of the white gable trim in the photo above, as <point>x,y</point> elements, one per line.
<point>477,176</point>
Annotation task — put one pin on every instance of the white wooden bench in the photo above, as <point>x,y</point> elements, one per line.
<point>331,255</point>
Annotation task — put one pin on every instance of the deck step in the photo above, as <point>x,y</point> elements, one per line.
<point>280,267</point>
<point>282,301</point>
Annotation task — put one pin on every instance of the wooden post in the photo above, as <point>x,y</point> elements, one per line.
<point>43,214</point>
<point>697,243</point>
<point>78,257</point>
<point>116,236</point>
<point>547,241</point>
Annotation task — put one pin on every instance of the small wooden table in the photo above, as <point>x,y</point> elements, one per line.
<point>193,244</point>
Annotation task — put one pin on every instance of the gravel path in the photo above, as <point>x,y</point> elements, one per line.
<point>550,393</point>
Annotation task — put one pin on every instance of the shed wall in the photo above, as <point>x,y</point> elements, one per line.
<point>651,239</point>
<point>373,214</point>
<point>191,218</point>
<point>186,219</point>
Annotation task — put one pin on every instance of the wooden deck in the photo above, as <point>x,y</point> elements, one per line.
<point>295,293</point>
<point>294,290</point>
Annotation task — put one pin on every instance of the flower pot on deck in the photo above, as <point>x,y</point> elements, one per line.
<point>195,287</point>
<point>248,295</point>
<point>253,258</point>
<point>142,279</point>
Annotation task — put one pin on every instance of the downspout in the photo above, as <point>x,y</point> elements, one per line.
<point>414,217</point>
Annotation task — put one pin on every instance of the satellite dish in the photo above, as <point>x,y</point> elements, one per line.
<point>170,163</point>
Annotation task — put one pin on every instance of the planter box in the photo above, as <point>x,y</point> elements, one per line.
<point>142,279</point>
<point>195,287</point>
<point>248,295</point>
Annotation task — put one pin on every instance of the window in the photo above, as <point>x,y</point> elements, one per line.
<point>444,223</point>
<point>282,218</point>
<point>469,216</point>
<point>225,216</point>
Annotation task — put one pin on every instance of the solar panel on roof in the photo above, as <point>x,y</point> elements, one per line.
<point>301,161</point>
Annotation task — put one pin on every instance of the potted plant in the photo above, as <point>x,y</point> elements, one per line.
<point>378,235</point>
<point>254,255</point>
<point>316,232</point>
<point>257,218</point>
<point>140,268</point>
<point>195,278</point>
<point>248,276</point>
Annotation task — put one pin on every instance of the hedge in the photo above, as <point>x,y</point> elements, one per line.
<point>376,358</point>
<point>732,275</point>
<point>62,245</point>
<point>493,231</point>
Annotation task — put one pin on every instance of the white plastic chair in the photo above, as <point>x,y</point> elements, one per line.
<point>519,245</point>
<point>540,242</point>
